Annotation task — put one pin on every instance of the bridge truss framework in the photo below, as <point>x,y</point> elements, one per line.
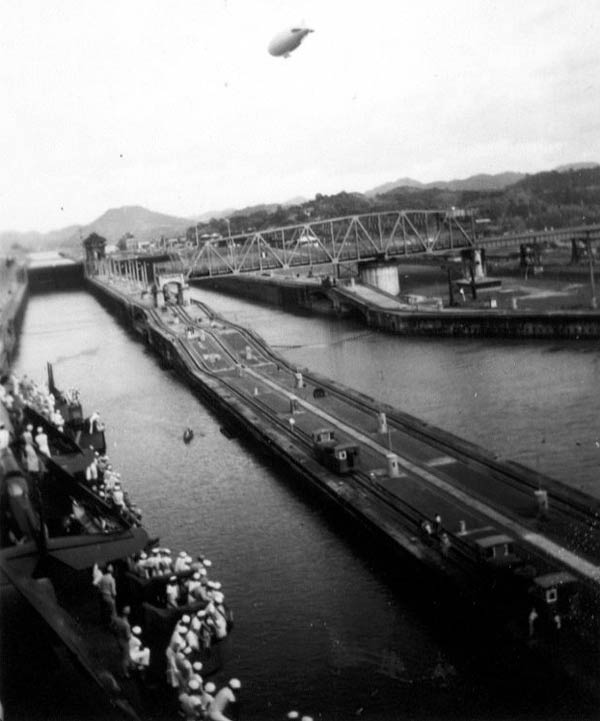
<point>349,239</point>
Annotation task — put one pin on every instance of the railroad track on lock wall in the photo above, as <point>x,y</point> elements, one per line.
<point>461,554</point>
<point>408,514</point>
<point>572,506</point>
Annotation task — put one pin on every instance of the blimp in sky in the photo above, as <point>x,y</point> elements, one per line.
<point>287,41</point>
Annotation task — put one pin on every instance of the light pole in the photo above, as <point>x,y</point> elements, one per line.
<point>593,302</point>
<point>229,242</point>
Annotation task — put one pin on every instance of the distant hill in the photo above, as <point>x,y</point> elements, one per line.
<point>550,199</point>
<point>400,183</point>
<point>144,224</point>
<point>259,208</point>
<point>481,182</point>
<point>298,200</point>
<point>32,240</point>
<point>513,201</point>
<point>576,166</point>
<point>210,214</point>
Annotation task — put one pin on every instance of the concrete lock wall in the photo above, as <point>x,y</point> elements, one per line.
<point>383,276</point>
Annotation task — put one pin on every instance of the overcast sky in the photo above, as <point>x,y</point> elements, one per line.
<point>177,105</point>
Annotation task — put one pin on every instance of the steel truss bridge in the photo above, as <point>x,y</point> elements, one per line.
<point>349,240</point>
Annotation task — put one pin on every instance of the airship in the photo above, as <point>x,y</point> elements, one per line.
<point>287,41</point>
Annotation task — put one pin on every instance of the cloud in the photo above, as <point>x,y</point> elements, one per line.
<point>204,117</point>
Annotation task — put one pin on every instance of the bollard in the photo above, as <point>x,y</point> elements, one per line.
<point>541,498</point>
<point>298,380</point>
<point>445,543</point>
<point>255,391</point>
<point>382,426</point>
<point>392,465</point>
<point>292,423</point>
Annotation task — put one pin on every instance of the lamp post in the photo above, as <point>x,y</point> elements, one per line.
<point>229,242</point>
<point>593,302</point>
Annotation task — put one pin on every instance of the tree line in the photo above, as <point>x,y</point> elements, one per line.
<point>544,200</point>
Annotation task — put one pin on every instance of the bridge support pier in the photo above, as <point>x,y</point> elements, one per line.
<point>475,272</point>
<point>382,275</point>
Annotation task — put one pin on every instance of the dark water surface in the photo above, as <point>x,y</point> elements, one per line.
<point>323,622</point>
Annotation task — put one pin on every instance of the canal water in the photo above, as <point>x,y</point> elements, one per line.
<point>324,623</point>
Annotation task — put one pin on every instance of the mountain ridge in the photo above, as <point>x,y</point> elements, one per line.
<point>479,182</point>
<point>143,223</point>
<point>147,224</point>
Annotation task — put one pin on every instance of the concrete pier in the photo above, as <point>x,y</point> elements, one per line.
<point>381,275</point>
<point>421,316</point>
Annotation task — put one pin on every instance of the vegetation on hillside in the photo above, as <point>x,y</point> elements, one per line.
<point>544,200</point>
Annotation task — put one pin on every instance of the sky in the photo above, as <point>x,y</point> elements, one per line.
<point>178,106</point>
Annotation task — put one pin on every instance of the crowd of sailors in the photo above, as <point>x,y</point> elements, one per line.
<point>34,446</point>
<point>17,393</point>
<point>200,619</point>
<point>107,484</point>
<point>196,603</point>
